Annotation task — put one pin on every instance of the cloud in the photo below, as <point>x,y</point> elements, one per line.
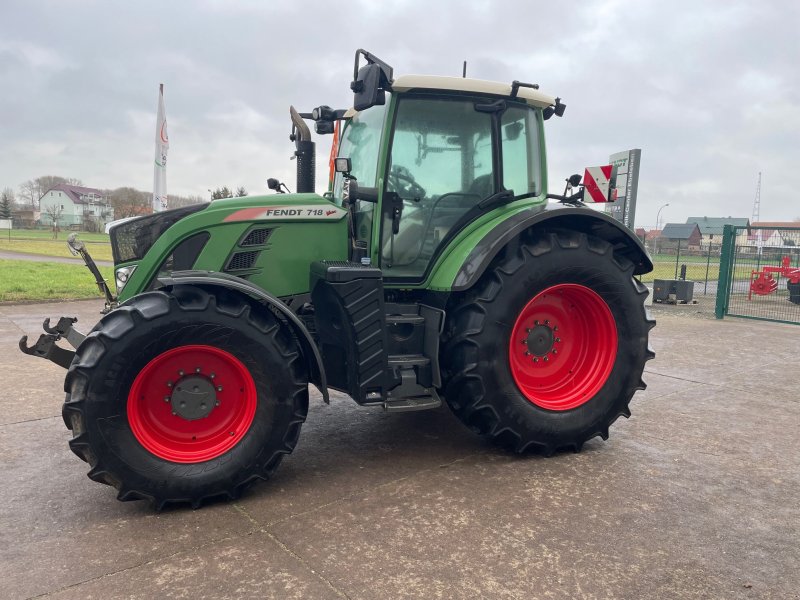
<point>708,91</point>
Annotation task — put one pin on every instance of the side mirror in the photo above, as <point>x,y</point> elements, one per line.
<point>600,184</point>
<point>574,180</point>
<point>370,82</point>
<point>366,88</point>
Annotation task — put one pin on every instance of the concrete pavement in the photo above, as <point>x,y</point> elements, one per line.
<point>694,497</point>
<point>56,259</point>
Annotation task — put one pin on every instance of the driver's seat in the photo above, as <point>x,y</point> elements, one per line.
<point>482,186</point>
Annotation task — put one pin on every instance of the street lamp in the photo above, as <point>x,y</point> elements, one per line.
<point>658,227</point>
<point>658,215</point>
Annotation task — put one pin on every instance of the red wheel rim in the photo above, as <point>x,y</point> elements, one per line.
<point>214,384</point>
<point>563,346</point>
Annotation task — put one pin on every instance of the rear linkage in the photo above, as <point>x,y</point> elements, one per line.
<point>45,346</point>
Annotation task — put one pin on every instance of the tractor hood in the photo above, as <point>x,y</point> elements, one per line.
<point>267,240</point>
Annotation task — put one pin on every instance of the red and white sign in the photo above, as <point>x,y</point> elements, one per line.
<point>598,181</point>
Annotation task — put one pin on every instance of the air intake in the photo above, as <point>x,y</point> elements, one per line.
<point>242,260</point>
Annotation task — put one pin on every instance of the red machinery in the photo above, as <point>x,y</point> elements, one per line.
<point>762,283</point>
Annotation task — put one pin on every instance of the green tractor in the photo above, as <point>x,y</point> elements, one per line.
<point>435,268</point>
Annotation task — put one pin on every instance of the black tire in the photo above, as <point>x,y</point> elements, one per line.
<point>479,384</point>
<point>794,292</point>
<point>129,339</point>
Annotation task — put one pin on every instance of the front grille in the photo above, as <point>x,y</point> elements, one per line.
<point>242,260</point>
<point>256,237</point>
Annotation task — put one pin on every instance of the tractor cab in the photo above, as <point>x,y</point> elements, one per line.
<point>426,156</point>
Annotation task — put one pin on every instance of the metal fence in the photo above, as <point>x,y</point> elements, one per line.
<point>698,264</point>
<point>759,276</point>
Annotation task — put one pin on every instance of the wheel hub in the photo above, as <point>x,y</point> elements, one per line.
<point>194,397</point>
<point>540,340</point>
<point>192,403</point>
<point>562,346</point>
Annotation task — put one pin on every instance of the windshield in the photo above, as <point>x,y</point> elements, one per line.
<point>443,162</point>
<point>361,142</point>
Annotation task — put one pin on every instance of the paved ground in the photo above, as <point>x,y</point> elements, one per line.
<point>695,497</point>
<point>56,259</point>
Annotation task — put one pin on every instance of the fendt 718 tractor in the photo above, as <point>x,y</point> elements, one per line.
<point>435,268</point>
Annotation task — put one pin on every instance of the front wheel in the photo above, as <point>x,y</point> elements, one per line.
<point>185,396</point>
<point>549,347</point>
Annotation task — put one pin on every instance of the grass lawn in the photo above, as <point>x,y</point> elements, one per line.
<point>694,271</point>
<point>41,242</point>
<point>25,280</point>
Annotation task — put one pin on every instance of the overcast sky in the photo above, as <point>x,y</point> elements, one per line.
<point>710,91</point>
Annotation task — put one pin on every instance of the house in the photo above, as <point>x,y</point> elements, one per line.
<point>75,207</point>
<point>686,234</point>
<point>711,227</point>
<point>24,218</point>
<point>770,234</point>
<point>649,237</point>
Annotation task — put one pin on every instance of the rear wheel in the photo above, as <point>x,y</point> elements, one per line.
<point>185,396</point>
<point>549,347</point>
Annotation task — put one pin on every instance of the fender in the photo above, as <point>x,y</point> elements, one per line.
<point>307,344</point>
<point>575,218</point>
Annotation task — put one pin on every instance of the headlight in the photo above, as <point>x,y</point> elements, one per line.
<point>122,275</point>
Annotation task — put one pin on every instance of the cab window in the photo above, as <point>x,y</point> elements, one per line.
<point>361,142</point>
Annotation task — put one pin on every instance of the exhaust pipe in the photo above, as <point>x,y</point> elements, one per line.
<point>305,153</point>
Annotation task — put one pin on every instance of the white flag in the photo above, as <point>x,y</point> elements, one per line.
<point>162,146</point>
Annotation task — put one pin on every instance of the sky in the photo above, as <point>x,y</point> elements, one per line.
<point>710,91</point>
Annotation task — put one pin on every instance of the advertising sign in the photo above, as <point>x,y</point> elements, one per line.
<point>627,163</point>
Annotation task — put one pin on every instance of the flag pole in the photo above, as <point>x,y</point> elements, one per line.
<point>160,198</point>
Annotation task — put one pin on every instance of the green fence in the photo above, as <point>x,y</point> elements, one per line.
<point>759,274</point>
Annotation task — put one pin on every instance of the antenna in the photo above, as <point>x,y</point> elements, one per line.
<point>464,72</point>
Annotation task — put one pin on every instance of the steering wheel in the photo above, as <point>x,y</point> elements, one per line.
<point>403,182</point>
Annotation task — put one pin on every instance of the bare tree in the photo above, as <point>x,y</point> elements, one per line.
<point>54,212</point>
<point>29,194</point>
<point>240,191</point>
<point>129,202</point>
<point>48,182</point>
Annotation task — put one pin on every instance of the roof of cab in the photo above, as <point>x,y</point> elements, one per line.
<point>405,83</point>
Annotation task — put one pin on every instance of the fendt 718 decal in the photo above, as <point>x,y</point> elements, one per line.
<point>295,212</point>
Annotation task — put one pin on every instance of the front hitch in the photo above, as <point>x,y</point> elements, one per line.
<point>77,247</point>
<point>45,346</point>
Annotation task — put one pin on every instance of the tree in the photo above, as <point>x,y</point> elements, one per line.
<point>220,193</point>
<point>6,203</point>
<point>240,191</point>
<point>129,202</point>
<point>179,201</point>
<point>29,194</point>
<point>54,212</point>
